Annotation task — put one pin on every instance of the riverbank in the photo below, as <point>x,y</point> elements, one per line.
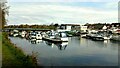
<point>77,52</point>
<point>0,49</point>
<point>13,56</point>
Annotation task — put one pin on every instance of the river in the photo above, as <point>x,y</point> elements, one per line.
<point>77,52</point>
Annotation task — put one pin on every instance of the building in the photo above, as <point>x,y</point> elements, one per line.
<point>83,28</point>
<point>70,27</point>
<point>115,24</point>
<point>104,27</point>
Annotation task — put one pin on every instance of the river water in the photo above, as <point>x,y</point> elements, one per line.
<point>77,52</point>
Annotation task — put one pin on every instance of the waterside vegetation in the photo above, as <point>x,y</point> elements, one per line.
<point>13,56</point>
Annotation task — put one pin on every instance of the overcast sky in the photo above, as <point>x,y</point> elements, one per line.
<point>63,0</point>
<point>50,11</point>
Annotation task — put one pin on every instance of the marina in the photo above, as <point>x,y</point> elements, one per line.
<point>76,52</point>
<point>56,48</point>
<point>59,33</point>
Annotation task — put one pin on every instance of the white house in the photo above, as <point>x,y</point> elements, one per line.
<point>83,28</point>
<point>69,27</point>
<point>104,27</point>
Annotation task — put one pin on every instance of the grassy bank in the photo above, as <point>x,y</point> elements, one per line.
<point>0,49</point>
<point>12,56</point>
<point>0,36</point>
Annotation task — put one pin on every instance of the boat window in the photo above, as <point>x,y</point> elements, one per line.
<point>63,34</point>
<point>33,34</point>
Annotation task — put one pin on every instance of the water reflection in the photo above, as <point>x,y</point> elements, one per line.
<point>106,41</point>
<point>49,44</point>
<point>61,46</point>
<point>35,41</point>
<point>79,51</point>
<point>116,42</point>
<point>90,43</point>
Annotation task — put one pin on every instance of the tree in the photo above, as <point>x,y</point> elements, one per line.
<point>56,26</point>
<point>3,11</point>
<point>87,24</point>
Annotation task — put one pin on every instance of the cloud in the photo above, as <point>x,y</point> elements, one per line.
<point>112,5</point>
<point>38,13</point>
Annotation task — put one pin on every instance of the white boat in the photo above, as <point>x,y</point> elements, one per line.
<point>97,37</point>
<point>107,37</point>
<point>56,37</point>
<point>83,35</point>
<point>38,36</point>
<point>32,36</point>
<point>43,34</point>
<point>51,34</point>
<point>100,35</point>
<point>15,33</point>
<point>62,36</point>
<point>23,33</point>
<point>115,37</point>
<point>35,36</point>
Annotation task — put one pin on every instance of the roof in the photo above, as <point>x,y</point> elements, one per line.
<point>115,24</point>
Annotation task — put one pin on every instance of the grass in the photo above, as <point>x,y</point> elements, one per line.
<point>12,56</point>
<point>0,36</point>
<point>0,48</point>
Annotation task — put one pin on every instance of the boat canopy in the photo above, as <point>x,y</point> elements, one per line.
<point>63,34</point>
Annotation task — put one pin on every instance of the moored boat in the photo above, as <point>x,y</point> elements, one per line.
<point>97,38</point>
<point>62,36</point>
<point>58,38</point>
<point>23,33</point>
<point>115,37</point>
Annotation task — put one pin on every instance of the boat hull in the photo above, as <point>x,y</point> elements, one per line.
<point>53,40</point>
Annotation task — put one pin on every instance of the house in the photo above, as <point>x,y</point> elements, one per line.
<point>116,30</point>
<point>83,28</point>
<point>104,27</point>
<point>70,27</point>
<point>115,27</point>
<point>115,24</point>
